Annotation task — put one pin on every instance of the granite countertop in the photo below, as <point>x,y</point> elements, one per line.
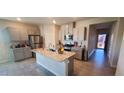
<point>54,55</point>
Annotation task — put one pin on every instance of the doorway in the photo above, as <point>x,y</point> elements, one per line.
<point>101,41</point>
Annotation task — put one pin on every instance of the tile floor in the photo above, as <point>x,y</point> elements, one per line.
<point>96,66</point>
<point>24,68</point>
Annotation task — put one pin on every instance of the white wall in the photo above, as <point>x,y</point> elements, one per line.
<point>50,33</point>
<point>120,65</point>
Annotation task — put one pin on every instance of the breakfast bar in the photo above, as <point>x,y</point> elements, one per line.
<point>58,64</point>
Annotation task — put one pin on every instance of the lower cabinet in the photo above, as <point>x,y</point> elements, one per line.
<point>78,51</point>
<point>22,53</point>
<point>27,52</point>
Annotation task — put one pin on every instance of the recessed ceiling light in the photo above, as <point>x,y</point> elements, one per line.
<point>18,18</point>
<point>54,22</point>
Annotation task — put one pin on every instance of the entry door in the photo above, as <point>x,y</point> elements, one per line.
<point>6,53</point>
<point>101,41</point>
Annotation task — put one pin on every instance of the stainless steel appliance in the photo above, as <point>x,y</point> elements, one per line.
<point>35,41</point>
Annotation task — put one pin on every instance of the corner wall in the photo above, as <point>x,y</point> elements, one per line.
<point>92,40</point>
<point>120,64</point>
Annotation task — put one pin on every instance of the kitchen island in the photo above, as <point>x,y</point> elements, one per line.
<point>58,64</point>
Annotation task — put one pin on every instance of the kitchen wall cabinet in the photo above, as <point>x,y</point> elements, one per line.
<point>51,35</point>
<point>75,34</point>
<point>62,34</point>
<point>33,31</point>
<point>66,29</point>
<point>71,28</point>
<point>80,34</point>
<point>20,34</point>
<point>23,34</point>
<point>14,34</point>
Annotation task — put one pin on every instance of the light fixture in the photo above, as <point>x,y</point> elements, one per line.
<point>54,22</point>
<point>18,18</point>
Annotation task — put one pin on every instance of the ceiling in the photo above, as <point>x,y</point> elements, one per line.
<point>46,20</point>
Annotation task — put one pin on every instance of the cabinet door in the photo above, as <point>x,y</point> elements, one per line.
<point>24,34</point>
<point>62,34</point>
<point>14,34</point>
<point>30,32</point>
<point>71,28</point>
<point>27,52</point>
<point>80,34</point>
<point>66,29</point>
<point>18,54</point>
<point>75,34</point>
<point>37,32</point>
<point>33,32</point>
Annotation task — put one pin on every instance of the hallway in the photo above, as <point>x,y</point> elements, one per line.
<point>96,66</point>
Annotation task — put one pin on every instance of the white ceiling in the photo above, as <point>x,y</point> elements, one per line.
<point>46,20</point>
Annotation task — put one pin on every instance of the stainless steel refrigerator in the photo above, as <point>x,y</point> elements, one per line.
<point>35,41</point>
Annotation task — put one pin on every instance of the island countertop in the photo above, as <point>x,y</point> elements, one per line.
<point>54,55</point>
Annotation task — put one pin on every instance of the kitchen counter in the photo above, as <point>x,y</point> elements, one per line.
<point>54,55</point>
<point>58,64</point>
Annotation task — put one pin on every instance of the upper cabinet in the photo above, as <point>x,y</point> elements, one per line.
<point>80,34</point>
<point>70,28</point>
<point>14,34</point>
<point>61,34</point>
<point>75,34</point>
<point>33,31</point>
<point>23,34</point>
<point>20,34</point>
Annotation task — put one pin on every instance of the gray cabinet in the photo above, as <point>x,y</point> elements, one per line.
<point>18,54</point>
<point>33,32</point>
<point>80,34</point>
<point>21,34</point>
<point>27,52</point>
<point>75,34</point>
<point>14,34</point>
<point>78,51</point>
<point>22,53</point>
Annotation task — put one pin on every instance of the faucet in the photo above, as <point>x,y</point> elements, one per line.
<point>50,45</point>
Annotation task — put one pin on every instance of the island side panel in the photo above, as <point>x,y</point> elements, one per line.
<point>57,68</point>
<point>71,66</point>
